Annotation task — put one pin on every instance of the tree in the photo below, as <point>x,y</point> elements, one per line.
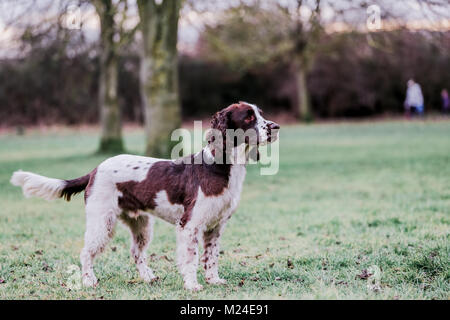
<point>112,15</point>
<point>111,134</point>
<point>113,37</point>
<point>255,34</point>
<point>158,73</point>
<point>251,35</point>
<point>305,37</point>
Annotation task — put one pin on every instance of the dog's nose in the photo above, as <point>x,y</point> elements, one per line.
<point>274,126</point>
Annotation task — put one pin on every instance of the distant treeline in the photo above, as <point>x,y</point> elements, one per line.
<point>357,75</point>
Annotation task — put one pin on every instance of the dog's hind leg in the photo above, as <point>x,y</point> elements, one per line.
<point>141,228</point>
<point>100,224</point>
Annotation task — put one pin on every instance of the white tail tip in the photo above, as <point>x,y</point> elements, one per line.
<point>39,186</point>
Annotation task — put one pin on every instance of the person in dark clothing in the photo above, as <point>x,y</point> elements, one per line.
<point>445,101</point>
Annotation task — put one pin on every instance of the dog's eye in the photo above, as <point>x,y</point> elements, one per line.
<point>250,118</point>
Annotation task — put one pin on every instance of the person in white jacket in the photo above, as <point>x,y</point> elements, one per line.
<point>414,98</point>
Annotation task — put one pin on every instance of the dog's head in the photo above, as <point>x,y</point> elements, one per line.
<point>244,123</point>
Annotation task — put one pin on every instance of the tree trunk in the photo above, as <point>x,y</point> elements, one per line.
<point>158,74</point>
<point>304,112</point>
<point>111,134</point>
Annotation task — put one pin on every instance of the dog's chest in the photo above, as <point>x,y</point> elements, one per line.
<point>222,206</point>
<point>233,192</point>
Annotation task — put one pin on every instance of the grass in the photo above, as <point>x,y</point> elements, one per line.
<point>347,197</point>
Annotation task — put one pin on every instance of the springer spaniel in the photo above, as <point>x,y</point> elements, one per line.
<point>198,194</point>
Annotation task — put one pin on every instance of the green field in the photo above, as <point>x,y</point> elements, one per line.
<point>347,197</point>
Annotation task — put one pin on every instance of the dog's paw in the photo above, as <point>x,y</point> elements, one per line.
<point>193,287</point>
<point>90,281</point>
<point>216,281</point>
<point>148,276</point>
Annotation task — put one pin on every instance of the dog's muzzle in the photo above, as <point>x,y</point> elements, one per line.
<point>272,131</point>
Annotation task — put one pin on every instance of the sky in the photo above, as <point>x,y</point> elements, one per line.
<point>194,16</point>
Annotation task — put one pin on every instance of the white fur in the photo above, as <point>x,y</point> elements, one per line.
<point>208,218</point>
<point>124,165</point>
<point>262,124</point>
<point>165,209</point>
<point>39,186</point>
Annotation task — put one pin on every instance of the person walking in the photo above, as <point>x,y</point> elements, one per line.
<point>414,99</point>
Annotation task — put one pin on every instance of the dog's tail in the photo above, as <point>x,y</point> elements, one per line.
<point>48,188</point>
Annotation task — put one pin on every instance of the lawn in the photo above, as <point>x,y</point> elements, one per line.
<point>347,197</point>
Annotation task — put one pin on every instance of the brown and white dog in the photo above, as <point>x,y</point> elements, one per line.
<point>197,197</point>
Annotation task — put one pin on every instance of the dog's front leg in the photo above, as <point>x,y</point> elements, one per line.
<point>210,258</point>
<point>187,255</point>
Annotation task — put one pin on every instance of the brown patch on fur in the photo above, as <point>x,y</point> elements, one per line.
<point>138,228</point>
<point>236,116</point>
<point>89,185</point>
<point>205,262</point>
<point>209,243</point>
<point>77,185</point>
<point>180,180</point>
<point>110,223</point>
<point>74,186</point>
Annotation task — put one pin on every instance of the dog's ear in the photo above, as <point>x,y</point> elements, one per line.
<point>220,121</point>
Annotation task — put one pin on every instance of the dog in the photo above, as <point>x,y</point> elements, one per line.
<point>197,194</point>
